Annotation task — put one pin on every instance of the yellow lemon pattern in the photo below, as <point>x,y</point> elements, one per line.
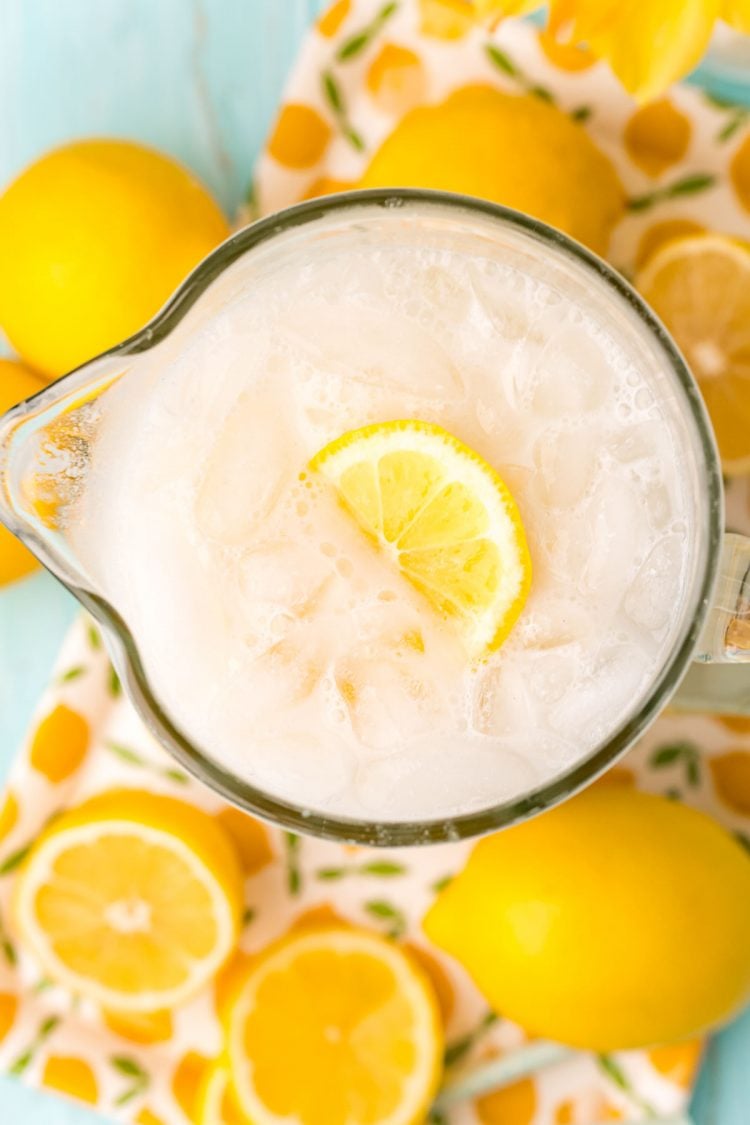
<point>8,1009</point>
<point>657,136</point>
<point>512,1105</point>
<point>187,1081</point>
<point>445,19</point>
<point>396,78</point>
<point>60,743</point>
<point>146,1117</point>
<point>677,1061</point>
<point>71,1076</point>
<point>739,172</point>
<point>299,138</point>
<point>333,17</point>
<point>8,814</point>
<point>731,777</point>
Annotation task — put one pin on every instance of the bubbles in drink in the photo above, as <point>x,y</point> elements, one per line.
<point>282,641</point>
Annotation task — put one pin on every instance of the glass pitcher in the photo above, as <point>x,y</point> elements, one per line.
<point>45,450</point>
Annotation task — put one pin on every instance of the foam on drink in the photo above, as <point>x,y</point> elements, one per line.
<point>276,635</point>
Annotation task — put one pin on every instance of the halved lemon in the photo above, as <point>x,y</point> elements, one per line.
<point>700,287</point>
<point>217,1102</point>
<point>332,1026</point>
<point>132,899</point>
<point>445,517</point>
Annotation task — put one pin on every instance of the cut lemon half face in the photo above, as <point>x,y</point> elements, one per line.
<point>700,287</point>
<point>332,1026</point>
<point>443,515</point>
<point>132,899</point>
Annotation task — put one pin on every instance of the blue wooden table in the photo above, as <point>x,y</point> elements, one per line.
<point>199,79</point>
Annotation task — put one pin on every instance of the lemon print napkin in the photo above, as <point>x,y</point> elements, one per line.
<point>684,164</point>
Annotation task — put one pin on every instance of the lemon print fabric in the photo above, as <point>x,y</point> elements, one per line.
<point>96,236</point>
<point>657,136</point>
<point>462,145</point>
<point>443,515</point>
<point>132,899</point>
<point>72,1076</point>
<point>60,743</point>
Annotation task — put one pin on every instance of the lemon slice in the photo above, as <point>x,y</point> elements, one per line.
<point>444,516</point>
<point>700,288</point>
<point>217,1102</point>
<point>331,1026</point>
<point>132,899</point>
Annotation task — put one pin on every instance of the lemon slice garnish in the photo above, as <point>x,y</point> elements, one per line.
<point>443,515</point>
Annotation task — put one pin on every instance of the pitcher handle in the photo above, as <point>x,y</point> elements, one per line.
<point>725,638</point>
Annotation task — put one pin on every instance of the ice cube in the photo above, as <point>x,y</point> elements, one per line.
<point>614,534</point>
<point>570,376</point>
<point>283,576</point>
<point>388,702</point>
<point>439,776</point>
<point>246,471</point>
<point>566,465</point>
<point>500,702</point>
<point>551,622</point>
<point>385,353</point>
<point>601,696</point>
<point>299,766</point>
<point>660,506</point>
<point>506,303</point>
<point>655,589</point>
<point>641,441</point>
<point>550,675</point>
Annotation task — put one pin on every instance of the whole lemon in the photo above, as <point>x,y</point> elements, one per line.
<point>513,149</point>
<point>16,383</point>
<point>619,919</point>
<point>96,235</point>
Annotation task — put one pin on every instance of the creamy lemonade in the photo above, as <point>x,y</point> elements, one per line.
<point>288,643</point>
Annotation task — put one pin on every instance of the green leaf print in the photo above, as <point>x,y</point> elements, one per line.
<point>387,912</point>
<point>94,637</point>
<point>501,60</point>
<point>685,754</point>
<point>130,1068</point>
<point>46,1027</point>
<point>293,873</point>
<point>335,99</point>
<point>688,185</point>
<point>133,758</point>
<point>380,868</point>
<point>14,860</point>
<point>113,683</point>
<point>72,674</point>
<point>361,39</point>
<point>459,1048</point>
<point>508,66</point>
